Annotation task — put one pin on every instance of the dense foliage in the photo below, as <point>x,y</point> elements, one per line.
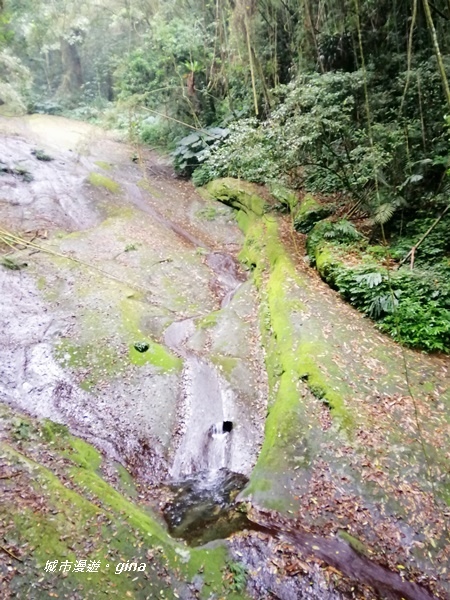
<point>412,305</point>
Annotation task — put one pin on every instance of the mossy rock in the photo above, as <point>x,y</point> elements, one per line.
<point>238,194</point>
<point>327,264</point>
<point>322,253</point>
<point>311,212</point>
<point>286,197</point>
<point>316,238</point>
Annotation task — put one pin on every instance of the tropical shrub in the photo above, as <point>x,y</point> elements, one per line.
<point>248,153</point>
<point>412,306</point>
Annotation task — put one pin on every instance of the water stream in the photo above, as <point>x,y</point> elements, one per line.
<point>207,472</point>
<point>207,469</point>
<point>214,446</point>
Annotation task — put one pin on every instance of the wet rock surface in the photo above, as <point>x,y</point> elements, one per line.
<point>202,508</point>
<point>124,259</point>
<point>71,332</point>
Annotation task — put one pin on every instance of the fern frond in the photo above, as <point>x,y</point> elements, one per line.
<point>371,279</point>
<point>384,213</point>
<point>343,230</point>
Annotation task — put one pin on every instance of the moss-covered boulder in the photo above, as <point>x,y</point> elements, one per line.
<point>321,253</point>
<point>311,211</point>
<point>327,264</point>
<point>238,194</point>
<point>287,198</point>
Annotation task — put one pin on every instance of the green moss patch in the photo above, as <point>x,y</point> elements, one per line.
<point>156,355</point>
<point>103,165</point>
<point>290,361</point>
<point>84,455</point>
<point>237,194</point>
<point>101,181</point>
<point>65,511</point>
<point>286,197</point>
<point>311,211</point>
<point>96,361</point>
<point>227,364</point>
<point>210,320</point>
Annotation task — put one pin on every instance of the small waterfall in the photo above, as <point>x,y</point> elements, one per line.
<point>205,473</point>
<point>207,411</point>
<point>217,447</point>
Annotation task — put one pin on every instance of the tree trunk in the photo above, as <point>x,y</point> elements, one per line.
<point>72,78</point>
<point>437,50</point>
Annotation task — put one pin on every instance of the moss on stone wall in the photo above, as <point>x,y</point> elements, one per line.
<point>291,362</point>
<point>311,211</point>
<point>66,511</point>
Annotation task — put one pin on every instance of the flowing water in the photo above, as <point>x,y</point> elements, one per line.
<point>215,445</point>
<point>206,473</point>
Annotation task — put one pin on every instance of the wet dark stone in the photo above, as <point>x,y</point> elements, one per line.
<point>227,426</point>
<point>203,507</point>
<point>141,346</point>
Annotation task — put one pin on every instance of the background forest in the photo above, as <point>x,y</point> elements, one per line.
<point>345,99</point>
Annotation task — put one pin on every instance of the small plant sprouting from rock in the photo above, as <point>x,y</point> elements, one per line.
<point>23,173</point>
<point>41,155</point>
<point>236,576</point>
<point>11,263</point>
<point>18,170</point>
<point>22,430</point>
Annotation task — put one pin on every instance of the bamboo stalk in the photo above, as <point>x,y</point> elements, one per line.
<point>412,252</point>
<point>252,69</point>
<point>437,49</point>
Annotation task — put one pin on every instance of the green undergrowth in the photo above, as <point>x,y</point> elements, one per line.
<point>290,361</point>
<point>63,509</point>
<point>411,305</point>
